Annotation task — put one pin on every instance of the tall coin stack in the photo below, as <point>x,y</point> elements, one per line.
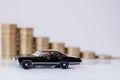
<point>42,43</point>
<point>8,40</point>
<point>26,41</point>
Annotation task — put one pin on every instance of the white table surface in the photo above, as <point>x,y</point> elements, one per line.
<point>88,70</point>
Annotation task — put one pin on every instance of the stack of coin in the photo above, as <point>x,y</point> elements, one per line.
<point>73,51</point>
<point>42,43</point>
<point>26,41</point>
<point>104,57</point>
<point>8,40</point>
<point>117,57</point>
<point>58,46</point>
<point>88,55</point>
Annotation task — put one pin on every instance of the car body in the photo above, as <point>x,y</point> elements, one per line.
<point>47,58</point>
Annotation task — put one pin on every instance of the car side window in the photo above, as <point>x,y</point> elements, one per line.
<point>45,54</point>
<point>49,55</point>
<point>53,55</point>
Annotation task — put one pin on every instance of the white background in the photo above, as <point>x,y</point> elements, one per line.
<point>88,24</point>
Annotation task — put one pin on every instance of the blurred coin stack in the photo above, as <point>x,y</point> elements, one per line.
<point>58,46</point>
<point>9,40</point>
<point>73,51</point>
<point>42,43</point>
<point>104,57</point>
<point>26,41</point>
<point>88,55</point>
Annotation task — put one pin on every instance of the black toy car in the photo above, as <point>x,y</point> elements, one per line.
<point>47,58</point>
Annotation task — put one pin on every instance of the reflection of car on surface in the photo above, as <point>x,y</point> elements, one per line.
<point>48,58</point>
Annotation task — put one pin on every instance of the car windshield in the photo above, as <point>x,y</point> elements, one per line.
<point>37,53</point>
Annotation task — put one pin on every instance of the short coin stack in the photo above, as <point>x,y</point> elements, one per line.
<point>73,51</point>
<point>88,54</point>
<point>42,43</point>
<point>9,40</point>
<point>58,46</point>
<point>104,57</point>
<point>26,41</point>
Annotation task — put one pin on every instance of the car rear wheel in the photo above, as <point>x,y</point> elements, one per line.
<point>26,64</point>
<point>64,65</point>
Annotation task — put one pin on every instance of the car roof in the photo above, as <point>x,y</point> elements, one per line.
<point>48,50</point>
<point>51,50</point>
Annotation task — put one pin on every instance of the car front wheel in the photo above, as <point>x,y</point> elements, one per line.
<point>64,65</point>
<point>26,64</point>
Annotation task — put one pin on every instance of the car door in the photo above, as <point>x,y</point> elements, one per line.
<point>44,57</point>
<point>54,56</point>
